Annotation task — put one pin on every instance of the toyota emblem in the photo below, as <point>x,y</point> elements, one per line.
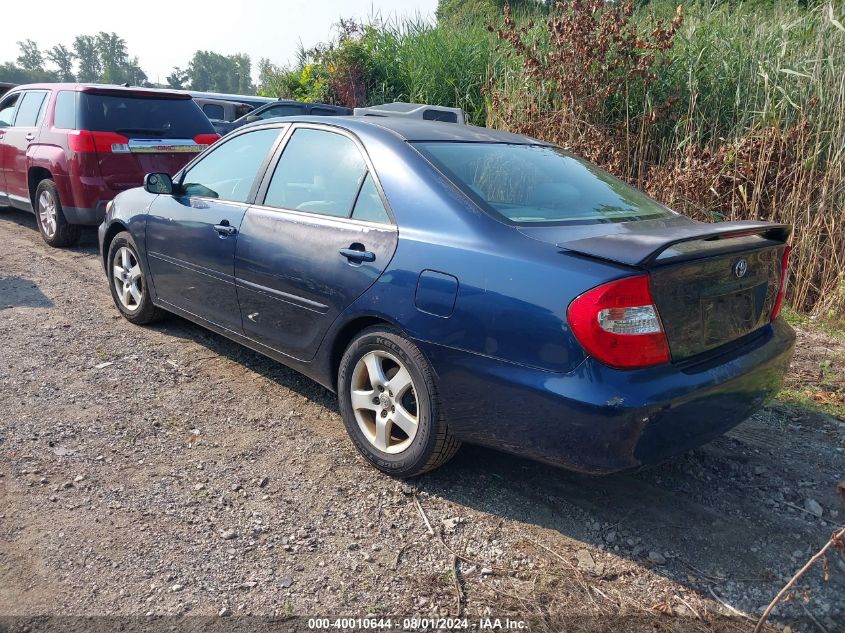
<point>740,268</point>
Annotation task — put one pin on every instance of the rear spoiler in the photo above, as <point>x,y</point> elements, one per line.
<point>643,249</point>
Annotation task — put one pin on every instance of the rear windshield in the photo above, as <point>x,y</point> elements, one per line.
<point>142,117</point>
<point>534,184</point>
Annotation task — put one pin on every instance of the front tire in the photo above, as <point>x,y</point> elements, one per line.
<point>50,217</point>
<point>390,404</point>
<point>128,281</point>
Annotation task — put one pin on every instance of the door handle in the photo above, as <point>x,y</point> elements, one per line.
<point>356,253</point>
<point>224,229</point>
<point>29,136</point>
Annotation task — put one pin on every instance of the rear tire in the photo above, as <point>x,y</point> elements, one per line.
<point>390,404</point>
<point>128,282</point>
<point>50,217</point>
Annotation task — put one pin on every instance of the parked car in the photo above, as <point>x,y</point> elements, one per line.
<point>5,87</point>
<point>218,110</point>
<point>67,149</point>
<point>283,108</point>
<point>252,101</point>
<point>454,283</point>
<point>414,111</point>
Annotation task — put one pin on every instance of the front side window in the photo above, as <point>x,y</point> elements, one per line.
<point>537,184</point>
<point>229,170</point>
<point>30,110</point>
<point>319,172</point>
<point>7,110</point>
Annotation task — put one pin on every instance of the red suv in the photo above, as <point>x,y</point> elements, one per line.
<point>67,149</point>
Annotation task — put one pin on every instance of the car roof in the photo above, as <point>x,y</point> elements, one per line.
<point>107,89</point>
<point>414,130</point>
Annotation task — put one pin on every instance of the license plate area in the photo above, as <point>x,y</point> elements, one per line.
<point>729,316</point>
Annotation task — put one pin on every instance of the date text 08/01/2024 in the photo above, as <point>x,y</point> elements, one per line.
<point>416,624</point>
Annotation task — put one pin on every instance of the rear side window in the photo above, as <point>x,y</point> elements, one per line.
<point>281,110</point>
<point>214,111</point>
<point>323,112</point>
<point>7,110</point>
<point>65,114</point>
<point>319,172</point>
<point>369,206</point>
<point>440,115</point>
<point>30,111</point>
<point>142,117</point>
<point>537,184</point>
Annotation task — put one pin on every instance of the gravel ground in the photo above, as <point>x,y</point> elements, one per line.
<point>167,471</point>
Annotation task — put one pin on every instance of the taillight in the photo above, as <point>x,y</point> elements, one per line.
<point>103,142</point>
<point>784,271</point>
<point>617,323</point>
<point>206,139</point>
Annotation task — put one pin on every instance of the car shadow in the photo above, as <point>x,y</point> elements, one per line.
<point>711,518</point>
<point>16,292</point>
<point>87,243</point>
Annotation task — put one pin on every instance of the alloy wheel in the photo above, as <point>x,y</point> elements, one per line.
<point>127,278</point>
<point>384,401</point>
<point>47,213</point>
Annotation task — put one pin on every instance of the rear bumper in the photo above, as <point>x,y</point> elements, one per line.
<point>85,215</point>
<point>84,198</point>
<point>601,420</point>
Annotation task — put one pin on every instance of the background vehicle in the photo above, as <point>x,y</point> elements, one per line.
<point>67,149</point>
<point>414,111</point>
<point>220,112</point>
<point>284,108</point>
<point>454,283</point>
<point>5,87</point>
<point>251,100</point>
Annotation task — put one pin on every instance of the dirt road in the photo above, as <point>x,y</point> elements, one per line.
<point>165,470</point>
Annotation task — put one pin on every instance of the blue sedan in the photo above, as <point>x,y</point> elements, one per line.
<point>457,284</point>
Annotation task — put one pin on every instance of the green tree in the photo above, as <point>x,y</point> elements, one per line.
<point>31,57</point>
<point>114,59</point>
<point>85,49</point>
<point>212,71</point>
<point>63,58</point>
<point>177,79</point>
<point>13,73</point>
<point>135,76</point>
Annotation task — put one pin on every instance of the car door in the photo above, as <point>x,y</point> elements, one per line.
<point>8,107</point>
<point>16,140</point>
<point>319,238</point>
<point>191,235</point>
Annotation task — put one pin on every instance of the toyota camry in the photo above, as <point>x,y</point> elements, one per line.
<point>458,284</point>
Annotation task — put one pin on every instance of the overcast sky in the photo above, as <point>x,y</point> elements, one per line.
<point>164,34</point>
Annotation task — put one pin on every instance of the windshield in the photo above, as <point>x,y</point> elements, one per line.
<point>536,184</point>
<point>142,117</point>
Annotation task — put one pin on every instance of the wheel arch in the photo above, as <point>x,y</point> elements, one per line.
<point>349,331</point>
<point>34,176</point>
<point>114,228</point>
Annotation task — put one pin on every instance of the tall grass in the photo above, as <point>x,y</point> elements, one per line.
<point>418,62</point>
<point>743,117</point>
<point>734,112</point>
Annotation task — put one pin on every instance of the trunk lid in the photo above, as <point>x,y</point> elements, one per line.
<point>152,131</point>
<point>712,284</point>
<point>126,169</point>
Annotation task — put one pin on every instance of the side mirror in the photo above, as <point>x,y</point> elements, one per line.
<point>158,183</point>
<point>252,118</point>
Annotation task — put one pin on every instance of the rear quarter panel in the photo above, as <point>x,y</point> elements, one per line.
<point>513,291</point>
